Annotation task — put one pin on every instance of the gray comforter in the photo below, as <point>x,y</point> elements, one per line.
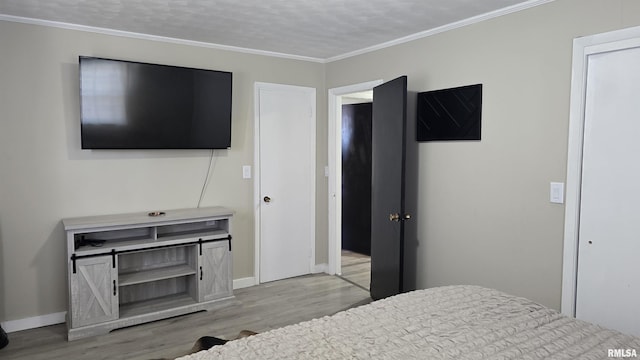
<point>451,322</point>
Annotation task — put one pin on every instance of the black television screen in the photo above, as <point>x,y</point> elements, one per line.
<point>450,114</point>
<point>132,105</point>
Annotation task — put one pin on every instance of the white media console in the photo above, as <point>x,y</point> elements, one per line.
<point>129,269</point>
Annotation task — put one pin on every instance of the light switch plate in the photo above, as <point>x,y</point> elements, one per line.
<point>556,193</point>
<point>246,172</point>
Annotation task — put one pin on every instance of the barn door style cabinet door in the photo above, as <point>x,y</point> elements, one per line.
<point>130,269</point>
<point>94,289</point>
<point>215,271</point>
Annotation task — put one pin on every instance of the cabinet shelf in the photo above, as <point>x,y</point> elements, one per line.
<point>135,243</point>
<point>108,245</point>
<point>155,274</point>
<point>156,305</point>
<point>194,235</point>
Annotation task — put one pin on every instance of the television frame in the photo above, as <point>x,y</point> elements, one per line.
<point>165,141</point>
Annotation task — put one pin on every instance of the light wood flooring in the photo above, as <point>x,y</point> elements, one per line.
<point>258,308</point>
<point>356,268</point>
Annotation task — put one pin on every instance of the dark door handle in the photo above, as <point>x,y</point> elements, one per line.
<point>396,217</point>
<point>267,199</point>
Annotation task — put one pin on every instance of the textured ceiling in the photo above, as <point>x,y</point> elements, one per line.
<point>319,29</point>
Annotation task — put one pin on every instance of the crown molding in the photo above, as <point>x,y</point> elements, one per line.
<point>462,23</point>
<point>134,35</point>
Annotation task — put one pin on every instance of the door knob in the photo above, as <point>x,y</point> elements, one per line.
<point>267,199</point>
<point>396,217</point>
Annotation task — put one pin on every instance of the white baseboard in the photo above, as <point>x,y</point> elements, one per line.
<point>60,317</point>
<point>34,322</point>
<point>244,282</point>
<point>321,268</point>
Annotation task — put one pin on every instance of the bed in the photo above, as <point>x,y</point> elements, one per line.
<point>450,322</point>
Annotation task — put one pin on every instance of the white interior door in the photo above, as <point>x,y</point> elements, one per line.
<point>286,194</point>
<point>608,279</point>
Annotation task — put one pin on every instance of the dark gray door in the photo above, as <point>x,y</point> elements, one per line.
<point>389,128</point>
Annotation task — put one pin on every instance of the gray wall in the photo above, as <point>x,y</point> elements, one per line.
<point>484,211</point>
<point>46,177</point>
<point>485,216</point>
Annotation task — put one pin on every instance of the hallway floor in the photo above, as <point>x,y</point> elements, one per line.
<point>356,268</point>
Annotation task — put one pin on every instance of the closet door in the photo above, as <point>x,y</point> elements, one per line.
<point>608,286</point>
<point>94,291</point>
<point>285,172</point>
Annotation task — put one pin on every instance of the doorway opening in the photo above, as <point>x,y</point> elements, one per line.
<point>356,188</point>
<point>349,211</point>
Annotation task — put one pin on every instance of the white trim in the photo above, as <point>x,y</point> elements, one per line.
<point>256,181</point>
<point>320,268</point>
<point>574,169</point>
<point>335,169</point>
<point>256,165</point>
<point>470,21</point>
<point>134,35</point>
<point>34,322</point>
<point>312,162</point>
<point>244,282</point>
<point>582,49</point>
<point>455,25</point>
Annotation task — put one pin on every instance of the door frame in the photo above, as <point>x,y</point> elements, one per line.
<point>582,49</point>
<point>258,86</point>
<point>334,156</point>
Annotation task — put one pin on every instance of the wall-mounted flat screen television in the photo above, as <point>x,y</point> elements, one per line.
<point>133,105</point>
<point>450,114</point>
